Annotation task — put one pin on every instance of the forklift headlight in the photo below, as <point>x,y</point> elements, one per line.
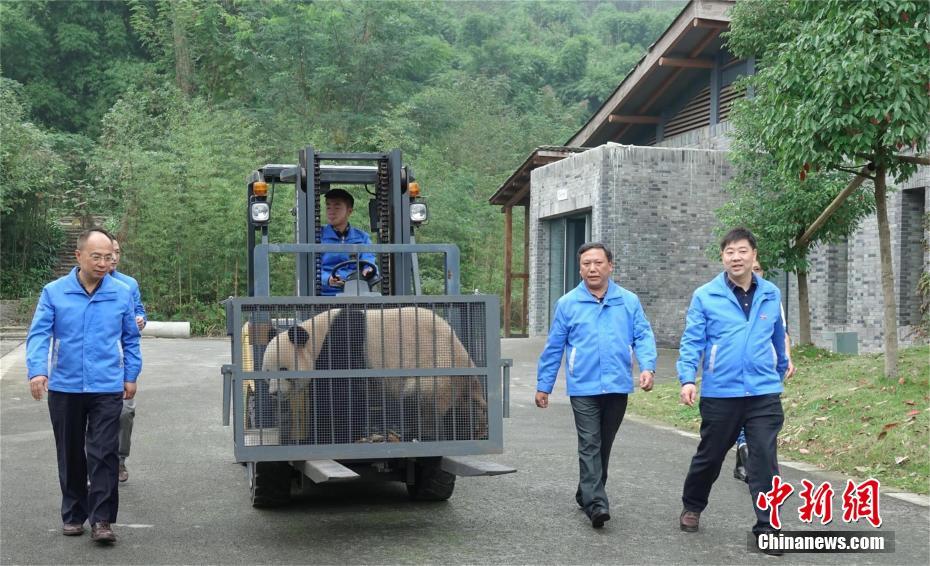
<point>259,212</point>
<point>418,213</point>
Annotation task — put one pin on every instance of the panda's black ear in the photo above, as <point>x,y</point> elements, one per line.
<point>272,333</point>
<point>298,336</point>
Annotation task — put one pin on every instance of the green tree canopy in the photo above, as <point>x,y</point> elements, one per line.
<point>839,84</point>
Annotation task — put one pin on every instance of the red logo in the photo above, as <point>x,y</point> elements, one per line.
<point>861,501</point>
<point>773,499</point>
<point>817,502</point>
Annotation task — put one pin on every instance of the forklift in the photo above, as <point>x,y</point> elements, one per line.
<point>388,383</point>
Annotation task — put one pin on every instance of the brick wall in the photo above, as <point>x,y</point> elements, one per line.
<point>861,274</point>
<point>652,206</point>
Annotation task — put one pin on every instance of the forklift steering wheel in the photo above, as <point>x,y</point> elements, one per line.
<point>372,279</point>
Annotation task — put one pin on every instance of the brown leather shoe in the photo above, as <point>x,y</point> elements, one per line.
<point>689,520</point>
<point>101,532</point>
<point>72,529</point>
<point>123,474</point>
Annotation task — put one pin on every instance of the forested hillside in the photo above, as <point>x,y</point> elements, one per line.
<point>151,114</point>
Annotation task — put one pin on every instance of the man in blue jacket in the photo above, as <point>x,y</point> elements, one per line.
<point>128,414</point>
<point>735,322</point>
<point>602,325</point>
<point>86,321</point>
<point>339,205</point>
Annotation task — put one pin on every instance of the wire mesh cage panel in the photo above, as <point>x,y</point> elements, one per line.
<point>367,372</point>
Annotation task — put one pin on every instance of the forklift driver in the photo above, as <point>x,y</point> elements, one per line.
<point>339,204</point>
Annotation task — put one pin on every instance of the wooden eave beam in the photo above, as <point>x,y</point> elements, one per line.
<point>710,24</point>
<point>708,39</point>
<point>622,119</point>
<point>518,196</point>
<point>671,78</point>
<point>697,63</point>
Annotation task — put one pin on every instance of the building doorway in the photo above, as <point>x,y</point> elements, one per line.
<point>566,235</point>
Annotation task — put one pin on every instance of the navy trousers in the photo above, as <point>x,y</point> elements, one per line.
<point>761,417</point>
<point>86,427</point>
<point>597,420</point>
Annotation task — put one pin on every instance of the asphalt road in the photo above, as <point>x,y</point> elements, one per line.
<point>187,500</point>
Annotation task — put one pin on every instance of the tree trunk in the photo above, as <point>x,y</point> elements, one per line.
<point>804,310</point>
<point>183,68</point>
<point>890,323</point>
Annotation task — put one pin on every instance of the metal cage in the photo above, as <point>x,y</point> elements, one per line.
<point>366,377</point>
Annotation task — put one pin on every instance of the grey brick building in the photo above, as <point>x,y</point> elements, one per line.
<point>645,175</point>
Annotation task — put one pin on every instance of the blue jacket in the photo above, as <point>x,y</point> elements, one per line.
<point>741,357</point>
<point>331,259</point>
<point>94,338</point>
<point>136,294</point>
<point>601,339</point>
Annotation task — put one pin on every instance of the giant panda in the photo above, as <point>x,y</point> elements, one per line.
<point>341,409</point>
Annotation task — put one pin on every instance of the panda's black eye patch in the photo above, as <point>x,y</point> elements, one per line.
<point>298,335</point>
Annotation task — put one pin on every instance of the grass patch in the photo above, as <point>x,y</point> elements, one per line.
<point>841,415</point>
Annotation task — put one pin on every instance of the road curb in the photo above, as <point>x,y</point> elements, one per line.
<point>907,496</point>
<point>11,359</point>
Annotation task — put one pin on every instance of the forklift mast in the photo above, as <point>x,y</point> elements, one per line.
<point>316,172</point>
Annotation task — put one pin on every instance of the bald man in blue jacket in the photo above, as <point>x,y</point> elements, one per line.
<point>83,349</point>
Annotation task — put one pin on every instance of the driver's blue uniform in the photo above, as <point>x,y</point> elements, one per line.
<point>331,259</point>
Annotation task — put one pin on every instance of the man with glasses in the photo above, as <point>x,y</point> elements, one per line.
<point>128,415</point>
<point>83,348</point>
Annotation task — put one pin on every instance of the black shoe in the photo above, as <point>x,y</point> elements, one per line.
<point>739,472</point>
<point>599,517</point>
<point>767,529</point>
<point>742,458</point>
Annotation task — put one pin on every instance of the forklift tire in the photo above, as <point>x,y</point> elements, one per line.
<point>269,483</point>
<point>432,483</point>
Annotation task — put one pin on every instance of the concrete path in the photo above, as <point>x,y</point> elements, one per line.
<point>187,500</point>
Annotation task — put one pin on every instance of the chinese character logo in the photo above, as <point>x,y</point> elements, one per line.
<point>817,502</point>
<point>773,499</point>
<point>861,501</point>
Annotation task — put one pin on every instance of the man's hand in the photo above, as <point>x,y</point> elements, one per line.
<point>336,281</point>
<point>645,380</point>
<point>37,385</point>
<point>140,322</point>
<point>367,272</point>
<point>542,399</point>
<point>791,370</point>
<point>688,394</point>
<point>129,389</point>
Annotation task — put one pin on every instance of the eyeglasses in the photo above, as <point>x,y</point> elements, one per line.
<point>97,258</point>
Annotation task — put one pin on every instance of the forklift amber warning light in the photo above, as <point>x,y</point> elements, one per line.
<point>260,188</point>
<point>414,189</point>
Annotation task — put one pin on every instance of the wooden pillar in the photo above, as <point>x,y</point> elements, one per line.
<point>508,271</point>
<point>715,86</point>
<point>525,312</point>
